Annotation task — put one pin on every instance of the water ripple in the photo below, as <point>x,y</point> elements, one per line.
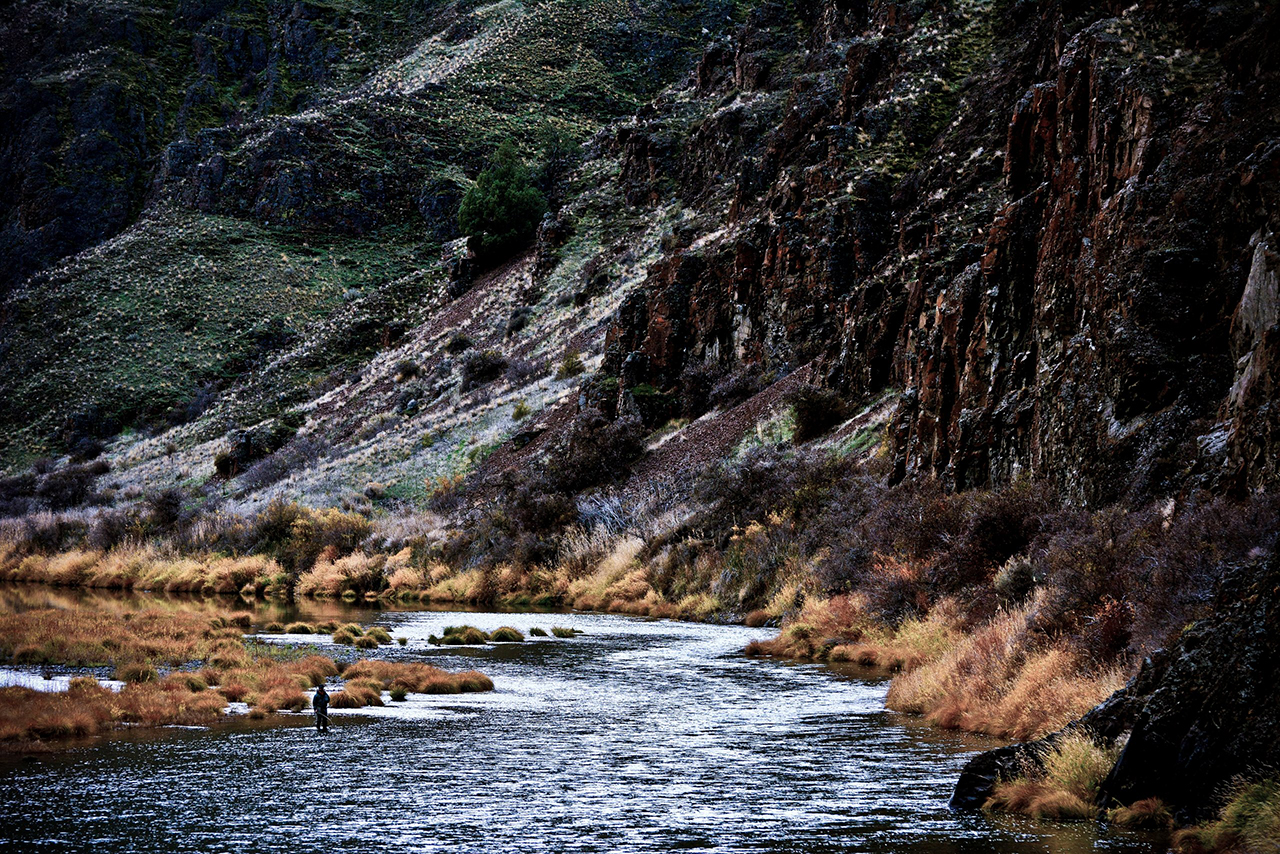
<point>636,736</point>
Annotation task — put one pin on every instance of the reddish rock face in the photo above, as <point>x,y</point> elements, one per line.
<point>1065,260</point>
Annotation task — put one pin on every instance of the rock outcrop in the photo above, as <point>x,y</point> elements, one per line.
<point>1058,245</point>
<point>1213,713</point>
<point>92,94</point>
<point>1197,716</point>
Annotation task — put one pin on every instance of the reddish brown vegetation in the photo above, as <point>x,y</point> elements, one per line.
<point>89,709</point>
<point>418,678</point>
<point>141,643</point>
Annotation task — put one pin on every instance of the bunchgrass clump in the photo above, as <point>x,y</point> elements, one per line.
<point>365,642</point>
<point>273,628</point>
<point>402,641</point>
<point>328,627</point>
<point>353,628</point>
<point>190,681</point>
<point>473,681</point>
<point>136,672</point>
<point>536,632</point>
<point>379,634</point>
<point>1249,822</point>
<point>1064,787</point>
<point>506,634</point>
<point>1147,814</point>
<point>462,636</point>
<point>345,637</point>
<point>562,632</point>
<point>299,629</point>
<point>399,693</point>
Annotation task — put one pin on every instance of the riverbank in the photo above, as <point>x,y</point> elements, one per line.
<point>637,735</point>
<point>996,612</point>
<point>185,664</point>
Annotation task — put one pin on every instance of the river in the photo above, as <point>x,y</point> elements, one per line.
<point>634,736</point>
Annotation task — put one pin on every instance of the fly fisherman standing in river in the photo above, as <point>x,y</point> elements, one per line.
<point>320,702</point>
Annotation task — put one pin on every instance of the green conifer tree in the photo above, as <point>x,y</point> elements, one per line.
<point>502,209</point>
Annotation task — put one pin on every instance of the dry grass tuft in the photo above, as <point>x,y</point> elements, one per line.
<point>461,636</point>
<point>379,634</point>
<point>137,672</point>
<point>1147,814</point>
<point>1064,788</point>
<point>1249,823</point>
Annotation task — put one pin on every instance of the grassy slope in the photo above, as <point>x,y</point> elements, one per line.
<point>129,330</point>
<point>132,328</point>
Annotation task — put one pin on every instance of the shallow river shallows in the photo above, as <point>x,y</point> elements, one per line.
<point>635,736</point>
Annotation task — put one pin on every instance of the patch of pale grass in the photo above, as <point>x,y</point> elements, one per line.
<point>997,681</point>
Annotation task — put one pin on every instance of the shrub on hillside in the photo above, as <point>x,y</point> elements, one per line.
<point>522,371</point>
<point>165,508</point>
<point>737,386</point>
<point>479,368</point>
<point>458,344</point>
<point>570,366</point>
<point>502,209</point>
<point>765,480</point>
<point>597,450</point>
<point>298,453</point>
<point>816,411</point>
<point>70,486</point>
<point>17,494</point>
<point>248,446</point>
<point>696,382</point>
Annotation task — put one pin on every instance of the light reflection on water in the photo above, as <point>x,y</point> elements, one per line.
<point>637,736</point>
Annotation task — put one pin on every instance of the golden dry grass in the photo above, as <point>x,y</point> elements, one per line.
<point>142,568</point>
<point>1001,681</point>
<point>448,587</point>
<point>997,679</point>
<point>618,582</point>
<point>1065,787</point>
<point>840,629</point>
<point>330,579</point>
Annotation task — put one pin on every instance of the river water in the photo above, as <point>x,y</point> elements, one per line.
<point>635,736</point>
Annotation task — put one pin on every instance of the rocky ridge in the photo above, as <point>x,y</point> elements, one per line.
<point>1062,255</point>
